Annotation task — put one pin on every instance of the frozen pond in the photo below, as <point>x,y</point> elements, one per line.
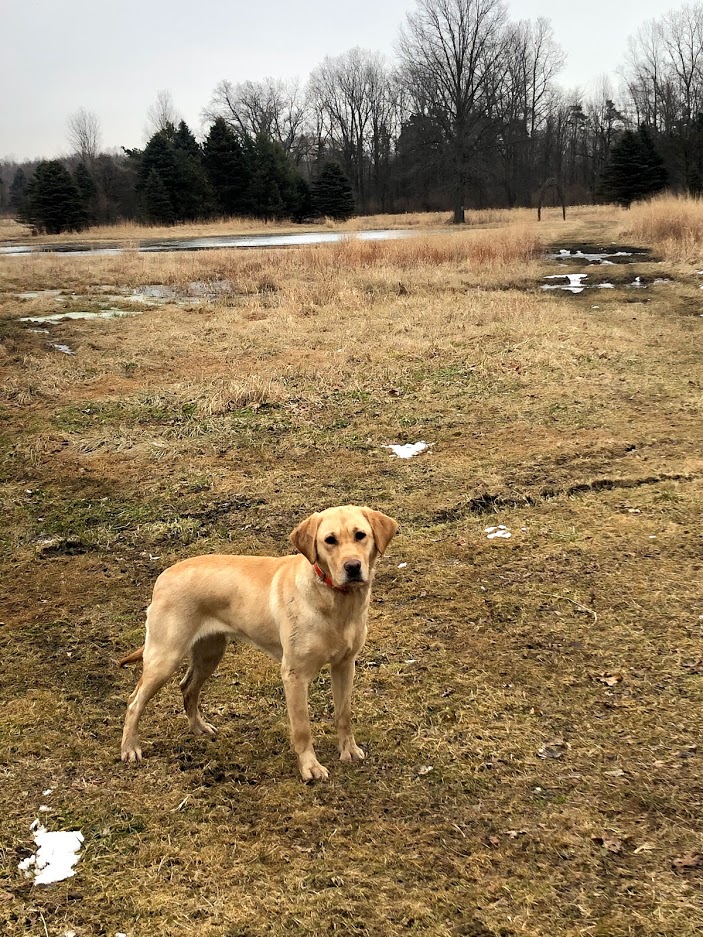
<point>304,239</point>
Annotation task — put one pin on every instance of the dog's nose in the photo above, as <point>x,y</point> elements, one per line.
<point>352,568</point>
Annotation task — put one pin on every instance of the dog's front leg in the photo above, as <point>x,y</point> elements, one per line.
<point>296,688</point>
<point>342,682</point>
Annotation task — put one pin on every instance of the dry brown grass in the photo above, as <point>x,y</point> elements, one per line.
<point>672,224</point>
<point>215,427</point>
<point>11,230</point>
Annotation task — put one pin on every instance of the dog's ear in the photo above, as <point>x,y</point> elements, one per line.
<point>304,537</point>
<point>384,528</point>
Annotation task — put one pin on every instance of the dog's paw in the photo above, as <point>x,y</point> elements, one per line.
<point>352,752</point>
<point>312,770</point>
<point>204,728</point>
<point>131,755</point>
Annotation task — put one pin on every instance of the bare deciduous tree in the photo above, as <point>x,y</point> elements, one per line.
<point>275,108</point>
<point>450,51</point>
<point>83,132</point>
<point>162,114</point>
<point>354,101</point>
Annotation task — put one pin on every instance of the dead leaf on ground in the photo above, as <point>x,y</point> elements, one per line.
<point>513,834</point>
<point>692,860</point>
<point>555,749</point>
<point>608,678</point>
<point>694,666</point>
<point>609,842</point>
<point>615,773</point>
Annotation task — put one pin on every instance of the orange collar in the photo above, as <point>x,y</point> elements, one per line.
<point>323,577</point>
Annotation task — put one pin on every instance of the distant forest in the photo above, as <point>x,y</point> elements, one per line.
<point>469,115</point>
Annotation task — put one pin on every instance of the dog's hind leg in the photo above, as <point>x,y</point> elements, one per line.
<point>206,655</point>
<point>161,661</point>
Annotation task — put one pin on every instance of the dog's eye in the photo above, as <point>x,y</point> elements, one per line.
<point>331,540</point>
<point>360,535</point>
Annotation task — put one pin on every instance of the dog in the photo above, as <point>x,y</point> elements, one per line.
<point>306,610</point>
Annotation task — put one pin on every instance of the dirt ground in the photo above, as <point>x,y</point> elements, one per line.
<point>531,707</point>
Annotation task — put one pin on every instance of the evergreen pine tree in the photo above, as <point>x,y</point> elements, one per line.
<point>273,184</point>
<point>54,200</point>
<point>158,157</point>
<point>304,207</point>
<point>183,139</point>
<point>194,197</point>
<point>177,158</point>
<point>18,195</point>
<point>634,170</point>
<point>227,162</point>
<point>333,194</point>
<point>88,190</point>
<point>655,174</point>
<point>156,200</point>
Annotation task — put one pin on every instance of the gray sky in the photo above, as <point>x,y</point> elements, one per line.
<point>113,56</point>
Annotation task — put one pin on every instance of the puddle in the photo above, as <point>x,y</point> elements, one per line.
<point>574,283</point>
<point>597,256</point>
<point>38,294</point>
<point>256,241</point>
<point>153,292</point>
<point>64,349</point>
<point>606,256</point>
<point>209,288</point>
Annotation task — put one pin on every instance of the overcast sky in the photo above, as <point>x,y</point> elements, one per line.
<point>113,56</point>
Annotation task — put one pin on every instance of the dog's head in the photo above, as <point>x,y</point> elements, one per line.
<point>345,542</point>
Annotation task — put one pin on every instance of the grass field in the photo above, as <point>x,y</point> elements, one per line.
<point>552,682</point>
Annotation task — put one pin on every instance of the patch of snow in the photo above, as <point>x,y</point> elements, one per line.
<point>64,349</point>
<point>402,565</point>
<point>63,316</point>
<point>501,532</point>
<point>409,450</point>
<point>56,855</point>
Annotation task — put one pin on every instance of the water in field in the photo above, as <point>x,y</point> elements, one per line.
<point>240,242</point>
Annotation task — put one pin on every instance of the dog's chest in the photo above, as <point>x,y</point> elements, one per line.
<point>343,642</point>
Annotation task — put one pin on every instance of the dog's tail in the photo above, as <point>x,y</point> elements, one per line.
<point>132,658</point>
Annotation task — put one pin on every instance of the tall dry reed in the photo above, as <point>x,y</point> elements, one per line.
<point>672,224</point>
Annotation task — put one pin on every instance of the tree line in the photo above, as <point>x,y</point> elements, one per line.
<point>469,114</point>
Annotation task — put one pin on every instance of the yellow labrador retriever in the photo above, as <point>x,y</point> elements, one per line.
<point>306,611</point>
